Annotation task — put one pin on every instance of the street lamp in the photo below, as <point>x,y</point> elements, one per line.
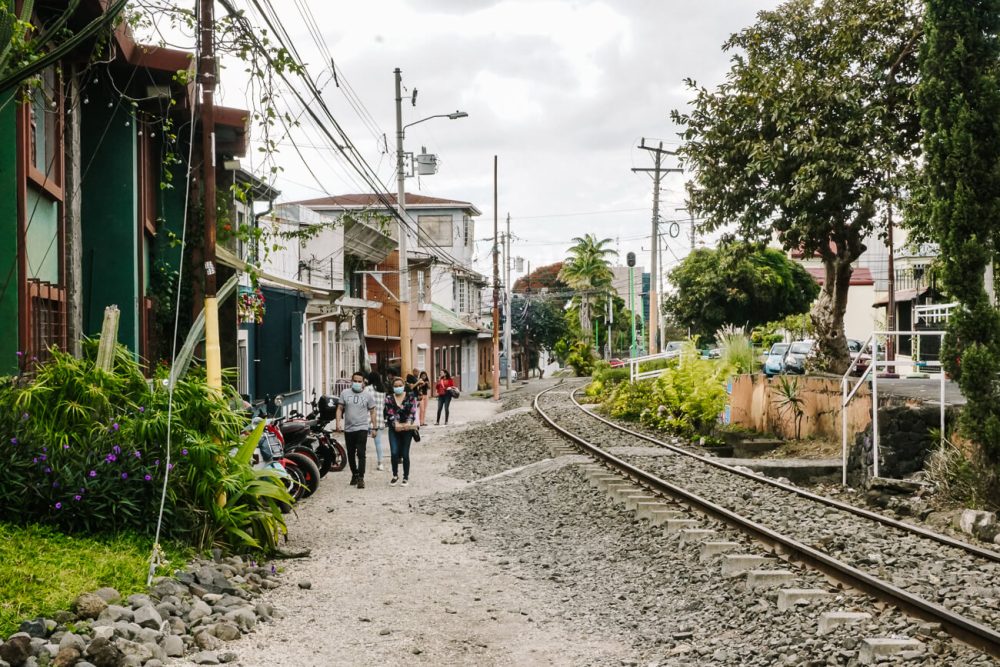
<point>404,275</point>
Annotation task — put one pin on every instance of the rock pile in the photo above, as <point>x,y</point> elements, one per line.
<point>193,613</point>
<point>500,445</point>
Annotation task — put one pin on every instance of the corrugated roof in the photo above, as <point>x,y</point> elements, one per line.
<point>445,321</point>
<point>861,275</point>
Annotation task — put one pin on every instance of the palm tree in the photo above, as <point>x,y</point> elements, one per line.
<point>587,271</point>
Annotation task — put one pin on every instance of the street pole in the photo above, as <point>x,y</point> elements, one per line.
<point>206,76</point>
<point>507,292</point>
<point>496,290</point>
<point>890,306</point>
<point>404,274</point>
<point>658,170</point>
<point>630,259</point>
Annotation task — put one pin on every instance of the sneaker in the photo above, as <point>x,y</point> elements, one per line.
<point>354,480</point>
<point>392,482</point>
<point>379,466</point>
<point>405,481</point>
<point>361,483</point>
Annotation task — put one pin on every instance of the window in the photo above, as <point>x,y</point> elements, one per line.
<point>461,295</point>
<point>420,289</point>
<point>468,230</point>
<point>434,230</point>
<point>43,126</point>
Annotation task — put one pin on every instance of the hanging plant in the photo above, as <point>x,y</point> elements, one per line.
<point>251,307</point>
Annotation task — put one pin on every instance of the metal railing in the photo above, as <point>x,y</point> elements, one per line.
<point>633,365</point>
<point>872,371</point>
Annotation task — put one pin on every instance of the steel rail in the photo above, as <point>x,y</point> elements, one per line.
<point>976,550</point>
<point>975,634</point>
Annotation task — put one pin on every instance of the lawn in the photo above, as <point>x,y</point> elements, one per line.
<point>44,570</point>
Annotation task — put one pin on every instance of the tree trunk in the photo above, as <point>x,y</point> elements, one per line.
<point>827,317</point>
<point>585,325</point>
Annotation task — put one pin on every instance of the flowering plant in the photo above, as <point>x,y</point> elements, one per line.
<point>251,307</point>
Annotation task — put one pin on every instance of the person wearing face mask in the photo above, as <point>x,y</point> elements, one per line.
<point>400,418</point>
<point>357,411</point>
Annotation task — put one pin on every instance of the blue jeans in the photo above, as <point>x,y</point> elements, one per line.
<point>444,403</point>
<point>399,446</point>
<point>378,445</point>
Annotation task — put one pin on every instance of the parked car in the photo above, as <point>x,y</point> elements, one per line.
<point>774,360</point>
<point>795,357</point>
<point>617,363</point>
<point>674,346</point>
<point>863,355</point>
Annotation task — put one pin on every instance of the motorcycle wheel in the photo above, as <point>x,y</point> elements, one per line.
<point>309,471</point>
<point>340,456</point>
<point>294,480</point>
<point>326,456</point>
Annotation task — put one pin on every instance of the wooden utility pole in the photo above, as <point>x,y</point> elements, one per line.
<point>206,77</point>
<point>658,170</point>
<point>496,290</point>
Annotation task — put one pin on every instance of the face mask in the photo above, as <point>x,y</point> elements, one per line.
<point>397,390</point>
<point>356,386</point>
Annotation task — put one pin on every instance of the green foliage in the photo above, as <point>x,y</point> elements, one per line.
<point>960,477</point>
<point>44,570</point>
<point>588,273</point>
<point>543,279</point>
<point>604,378</point>
<point>737,349</point>
<point>686,399</point>
<point>85,451</point>
<point>958,199</point>
<point>539,322</point>
<point>790,401</point>
<point>581,358</point>
<point>812,129</point>
<point>738,284</point>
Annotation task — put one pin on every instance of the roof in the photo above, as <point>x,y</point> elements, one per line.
<point>904,296</point>
<point>370,199</point>
<point>861,275</point>
<point>446,322</point>
<point>799,253</point>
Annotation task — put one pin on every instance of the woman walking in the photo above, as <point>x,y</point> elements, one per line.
<point>373,386</point>
<point>400,418</point>
<point>443,390</point>
<point>423,390</point>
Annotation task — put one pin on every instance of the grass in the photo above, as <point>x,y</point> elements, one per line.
<point>44,570</point>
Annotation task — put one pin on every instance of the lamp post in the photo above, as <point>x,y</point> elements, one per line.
<point>404,275</point>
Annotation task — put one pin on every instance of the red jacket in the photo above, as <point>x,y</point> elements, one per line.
<point>442,386</point>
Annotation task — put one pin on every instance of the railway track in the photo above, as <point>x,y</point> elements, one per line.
<point>924,574</point>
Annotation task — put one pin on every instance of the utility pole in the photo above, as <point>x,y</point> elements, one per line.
<point>506,281</point>
<point>658,170</point>
<point>404,268</point>
<point>496,290</point>
<point>206,76</point>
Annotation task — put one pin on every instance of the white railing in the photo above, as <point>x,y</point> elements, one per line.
<point>634,362</point>
<point>873,367</point>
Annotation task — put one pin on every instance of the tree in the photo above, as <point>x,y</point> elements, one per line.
<point>539,322</point>
<point>739,285</point>
<point>813,127</point>
<point>587,272</point>
<point>543,278</point>
<point>959,195</point>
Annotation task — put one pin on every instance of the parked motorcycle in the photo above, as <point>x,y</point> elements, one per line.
<point>297,469</point>
<point>308,434</point>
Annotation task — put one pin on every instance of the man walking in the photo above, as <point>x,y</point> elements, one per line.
<point>357,410</point>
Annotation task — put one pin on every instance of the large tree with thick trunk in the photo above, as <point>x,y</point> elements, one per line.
<point>807,138</point>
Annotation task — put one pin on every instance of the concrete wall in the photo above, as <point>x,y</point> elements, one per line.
<point>754,403</point>
<point>860,319</point>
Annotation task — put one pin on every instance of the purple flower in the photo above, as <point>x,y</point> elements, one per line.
<point>34,459</point>
<point>34,358</point>
<point>43,457</point>
<point>184,452</point>
<point>93,473</point>
<point>24,417</point>
<point>114,427</point>
<point>58,506</point>
<point>65,446</point>
<point>124,475</point>
<point>170,466</point>
<point>13,441</point>
<point>45,449</point>
<point>110,458</point>
<point>116,449</point>
<point>148,477</point>
<point>156,462</point>
<point>274,570</point>
<point>47,470</point>
<point>142,409</point>
<point>138,455</point>
<point>77,497</point>
<point>55,485</point>
<point>20,354</point>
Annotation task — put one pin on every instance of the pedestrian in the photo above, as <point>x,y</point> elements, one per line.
<point>400,419</point>
<point>423,391</point>
<point>443,390</point>
<point>357,411</point>
<point>374,387</point>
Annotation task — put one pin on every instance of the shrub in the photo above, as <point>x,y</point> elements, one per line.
<point>85,451</point>
<point>959,476</point>
<point>737,349</point>
<point>581,358</point>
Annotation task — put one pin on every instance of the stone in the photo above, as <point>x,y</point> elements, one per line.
<point>733,565</point>
<point>64,617</point>
<point>875,648</point>
<point>677,525</point>
<point>34,627</point>
<point>205,658</point>
<point>207,642</point>
<point>116,613</point>
<point>173,646</point>
<point>134,649</point>
<point>104,632</point>
<point>71,640</point>
<point>709,550</point>
<point>305,585</point>
<point>147,617</point>
<point>695,535</point>
<point>979,524</point>
<point>137,600</point>
<point>831,620</point>
<point>108,594</point>
<point>227,632</point>
<point>166,587</point>
<point>244,618</point>
<point>227,656</point>
<point>199,609</point>
<point>762,579</point>
<point>16,649</point>
<point>793,597</point>
<point>67,657</point>
<point>89,605</point>
<point>102,653</point>
<point>264,610</point>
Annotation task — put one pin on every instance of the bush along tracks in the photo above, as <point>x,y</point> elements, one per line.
<point>193,613</point>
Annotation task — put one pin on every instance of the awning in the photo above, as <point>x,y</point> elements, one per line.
<point>443,321</point>
<point>225,256</point>
<point>902,296</point>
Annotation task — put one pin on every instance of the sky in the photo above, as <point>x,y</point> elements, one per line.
<point>561,91</point>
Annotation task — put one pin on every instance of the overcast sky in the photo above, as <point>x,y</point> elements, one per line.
<point>560,90</point>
